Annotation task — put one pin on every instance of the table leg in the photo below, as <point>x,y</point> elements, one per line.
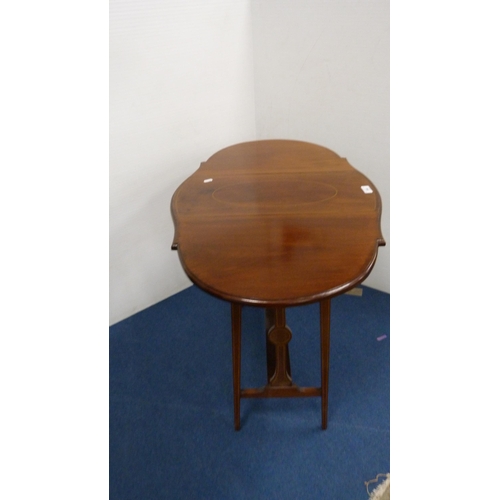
<point>236,329</point>
<point>279,383</point>
<point>325,358</point>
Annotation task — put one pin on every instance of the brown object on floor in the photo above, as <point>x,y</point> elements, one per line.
<point>275,224</point>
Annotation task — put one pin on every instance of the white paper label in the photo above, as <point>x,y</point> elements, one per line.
<point>208,180</point>
<point>367,189</point>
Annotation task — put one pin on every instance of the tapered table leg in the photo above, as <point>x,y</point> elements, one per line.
<point>236,329</point>
<point>279,382</point>
<point>325,358</point>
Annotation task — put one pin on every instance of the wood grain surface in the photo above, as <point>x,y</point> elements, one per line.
<point>276,223</point>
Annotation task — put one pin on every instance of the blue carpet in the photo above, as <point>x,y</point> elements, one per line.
<point>171,404</point>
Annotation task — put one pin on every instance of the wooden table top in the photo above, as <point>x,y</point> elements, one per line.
<point>277,223</point>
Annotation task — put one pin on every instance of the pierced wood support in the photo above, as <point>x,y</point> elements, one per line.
<point>278,356</point>
<point>280,383</point>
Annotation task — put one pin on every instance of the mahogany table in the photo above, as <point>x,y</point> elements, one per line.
<point>275,224</point>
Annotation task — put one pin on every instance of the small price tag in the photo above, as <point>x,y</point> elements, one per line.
<point>208,180</point>
<point>367,189</point>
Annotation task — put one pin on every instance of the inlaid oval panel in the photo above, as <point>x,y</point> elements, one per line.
<point>275,192</point>
<point>276,223</point>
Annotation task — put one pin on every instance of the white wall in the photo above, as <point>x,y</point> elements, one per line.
<point>182,76</point>
<point>181,87</point>
<point>322,75</point>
